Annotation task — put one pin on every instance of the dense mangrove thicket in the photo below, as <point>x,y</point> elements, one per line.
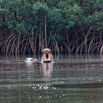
<point>65,26</point>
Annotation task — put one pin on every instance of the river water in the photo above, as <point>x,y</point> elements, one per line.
<point>70,79</point>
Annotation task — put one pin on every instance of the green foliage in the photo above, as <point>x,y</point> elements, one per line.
<point>92,13</point>
<point>40,11</point>
<point>59,13</point>
<point>56,18</point>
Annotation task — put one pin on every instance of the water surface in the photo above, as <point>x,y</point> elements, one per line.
<point>70,79</point>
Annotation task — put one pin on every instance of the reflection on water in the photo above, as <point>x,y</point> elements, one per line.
<point>70,79</point>
<point>47,69</point>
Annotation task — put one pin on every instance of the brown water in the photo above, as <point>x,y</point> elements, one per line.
<point>70,79</point>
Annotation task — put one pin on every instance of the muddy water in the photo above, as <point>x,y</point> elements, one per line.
<point>70,79</point>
